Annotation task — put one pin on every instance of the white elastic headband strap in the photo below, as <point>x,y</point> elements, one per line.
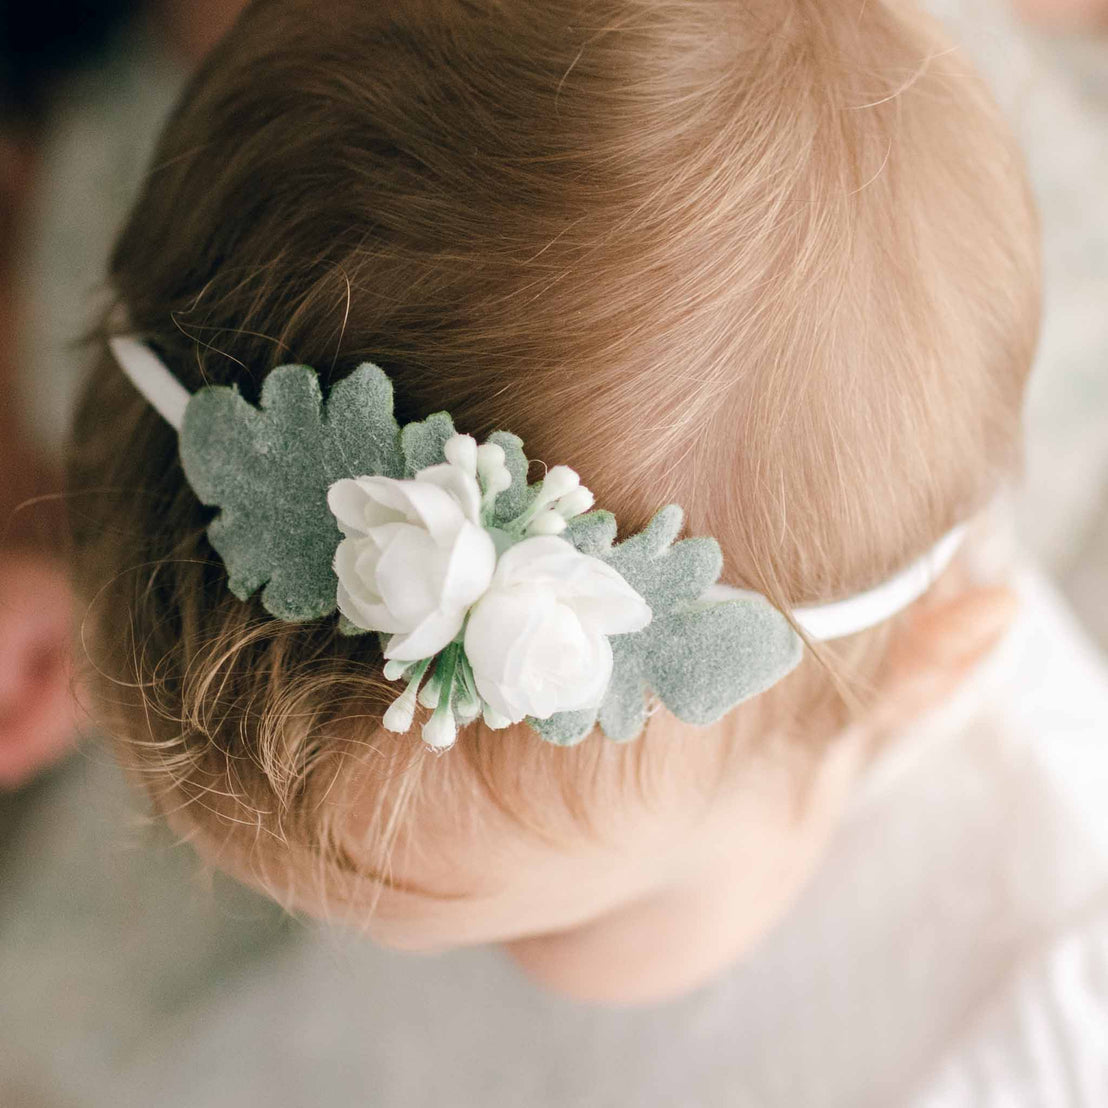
<point>824,622</point>
<point>149,375</point>
<point>820,623</point>
<point>857,613</point>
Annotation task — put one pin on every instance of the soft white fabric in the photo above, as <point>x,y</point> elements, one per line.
<point>1043,1039</point>
<point>1022,911</point>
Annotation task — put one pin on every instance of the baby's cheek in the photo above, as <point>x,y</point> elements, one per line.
<point>756,852</point>
<point>659,949</point>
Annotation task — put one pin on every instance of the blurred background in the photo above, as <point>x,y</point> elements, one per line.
<point>89,901</point>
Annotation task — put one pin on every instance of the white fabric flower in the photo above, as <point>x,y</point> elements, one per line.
<point>415,556</point>
<point>537,639</point>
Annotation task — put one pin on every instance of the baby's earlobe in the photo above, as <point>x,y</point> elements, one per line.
<point>38,712</point>
<point>957,633</point>
<point>937,649</point>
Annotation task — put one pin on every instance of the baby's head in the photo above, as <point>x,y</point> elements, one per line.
<point>774,263</point>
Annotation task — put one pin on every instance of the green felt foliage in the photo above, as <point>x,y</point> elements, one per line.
<point>268,470</point>
<point>423,443</point>
<point>700,659</point>
<point>351,630</point>
<point>513,500</point>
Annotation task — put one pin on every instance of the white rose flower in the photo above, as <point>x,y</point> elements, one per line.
<point>414,557</point>
<point>537,639</point>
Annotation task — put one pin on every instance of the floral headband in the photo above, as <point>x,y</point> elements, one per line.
<point>492,597</point>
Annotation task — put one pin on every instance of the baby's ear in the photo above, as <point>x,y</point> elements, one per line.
<point>38,712</point>
<point>937,649</point>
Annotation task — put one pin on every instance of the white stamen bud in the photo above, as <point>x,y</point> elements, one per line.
<point>490,456</point>
<point>461,451</point>
<point>559,482</point>
<point>575,503</point>
<point>498,480</point>
<point>467,707</point>
<point>492,472</point>
<point>439,732</point>
<point>429,694</point>
<point>494,720</point>
<point>547,523</point>
<point>401,711</point>
<point>395,669</point>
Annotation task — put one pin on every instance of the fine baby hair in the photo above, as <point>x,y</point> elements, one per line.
<point>775,264</point>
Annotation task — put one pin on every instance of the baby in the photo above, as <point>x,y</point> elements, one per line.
<point>774,263</point>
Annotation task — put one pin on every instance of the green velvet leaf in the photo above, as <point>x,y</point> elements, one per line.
<point>623,712</point>
<point>665,572</point>
<point>592,533</point>
<point>360,432</point>
<point>703,661</point>
<point>700,658</point>
<point>514,499</point>
<point>268,470</point>
<point>423,443</point>
<point>350,630</point>
<point>565,728</point>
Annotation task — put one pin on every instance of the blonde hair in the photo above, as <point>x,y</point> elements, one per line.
<point>773,262</point>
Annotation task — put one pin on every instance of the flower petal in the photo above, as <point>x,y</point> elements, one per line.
<point>359,567</point>
<point>597,593</point>
<point>460,485</point>
<point>470,567</point>
<point>555,658</point>
<point>568,668</point>
<point>346,558</point>
<point>381,536</point>
<point>409,573</point>
<point>386,496</point>
<point>357,599</point>
<point>369,617</point>
<point>435,633</point>
<point>604,600</point>
<point>501,624</point>
<point>597,676</point>
<point>545,559</point>
<point>424,504</point>
<point>434,508</point>
<point>347,501</point>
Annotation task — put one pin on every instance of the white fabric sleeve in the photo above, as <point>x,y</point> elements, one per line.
<point>1040,1041</point>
